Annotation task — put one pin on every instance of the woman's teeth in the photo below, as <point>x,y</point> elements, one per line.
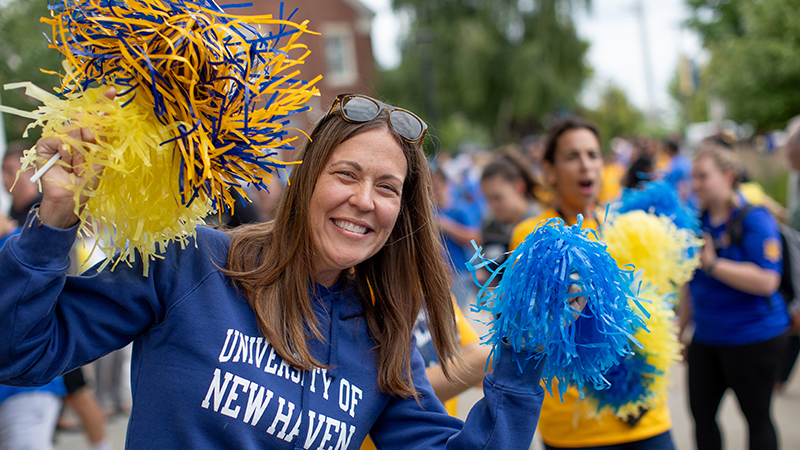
<point>350,227</point>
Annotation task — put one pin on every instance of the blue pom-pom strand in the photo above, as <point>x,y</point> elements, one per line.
<point>659,198</point>
<point>628,382</point>
<point>532,311</point>
<point>247,153</point>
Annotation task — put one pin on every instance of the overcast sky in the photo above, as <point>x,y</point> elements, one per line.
<point>616,53</point>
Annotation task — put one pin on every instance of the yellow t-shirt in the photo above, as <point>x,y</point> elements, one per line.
<point>611,182</point>
<point>467,336</point>
<point>566,424</point>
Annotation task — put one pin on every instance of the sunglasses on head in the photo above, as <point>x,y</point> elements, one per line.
<point>358,108</point>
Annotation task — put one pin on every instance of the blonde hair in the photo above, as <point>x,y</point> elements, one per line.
<point>724,159</point>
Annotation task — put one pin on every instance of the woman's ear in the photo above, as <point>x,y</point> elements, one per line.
<point>730,177</point>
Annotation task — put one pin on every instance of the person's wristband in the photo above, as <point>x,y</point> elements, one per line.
<point>710,267</point>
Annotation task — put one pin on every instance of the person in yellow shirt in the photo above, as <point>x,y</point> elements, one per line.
<point>465,376</point>
<point>572,166</point>
<point>611,179</point>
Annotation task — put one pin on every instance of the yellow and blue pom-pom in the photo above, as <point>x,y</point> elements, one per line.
<point>640,381</point>
<point>203,106</point>
<point>661,199</point>
<point>666,255</point>
<point>533,314</point>
<point>628,386</point>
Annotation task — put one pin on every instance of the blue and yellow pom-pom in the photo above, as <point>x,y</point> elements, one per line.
<point>641,380</point>
<point>203,105</point>
<point>533,314</point>
<point>661,199</point>
<point>666,255</point>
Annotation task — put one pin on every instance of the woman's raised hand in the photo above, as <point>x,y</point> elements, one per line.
<point>58,204</point>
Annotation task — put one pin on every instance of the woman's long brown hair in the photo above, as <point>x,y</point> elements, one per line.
<point>272,265</point>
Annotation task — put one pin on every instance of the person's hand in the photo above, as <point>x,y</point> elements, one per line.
<point>707,254</point>
<point>576,303</point>
<point>58,205</point>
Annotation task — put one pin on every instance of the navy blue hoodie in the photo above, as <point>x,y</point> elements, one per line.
<point>202,376</point>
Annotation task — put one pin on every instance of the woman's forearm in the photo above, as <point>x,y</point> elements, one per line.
<point>462,234</point>
<point>744,276</point>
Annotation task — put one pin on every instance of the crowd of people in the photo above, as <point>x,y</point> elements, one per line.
<point>349,287</point>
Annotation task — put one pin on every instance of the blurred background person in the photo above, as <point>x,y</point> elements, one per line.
<point>25,193</point>
<point>611,177</point>
<point>792,349</point>
<point>458,229</point>
<point>678,172</point>
<point>573,165</point>
<point>73,387</point>
<point>642,166</point>
<point>509,192</point>
<point>27,415</point>
<point>739,316</point>
<point>532,147</point>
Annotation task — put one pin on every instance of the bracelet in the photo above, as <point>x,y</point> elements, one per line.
<point>36,218</point>
<point>711,266</point>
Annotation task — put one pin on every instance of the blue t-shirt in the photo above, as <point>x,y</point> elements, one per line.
<point>726,316</point>
<point>679,171</point>
<point>56,387</point>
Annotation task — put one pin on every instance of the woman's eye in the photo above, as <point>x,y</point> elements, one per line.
<point>389,187</point>
<point>346,173</point>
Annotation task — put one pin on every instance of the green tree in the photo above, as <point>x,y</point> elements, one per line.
<point>755,57</point>
<point>23,52</point>
<point>615,115</point>
<point>692,108</point>
<point>504,65</point>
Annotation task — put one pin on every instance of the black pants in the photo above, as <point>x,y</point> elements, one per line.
<point>750,370</point>
<point>789,357</point>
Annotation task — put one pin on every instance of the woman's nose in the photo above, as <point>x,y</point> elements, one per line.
<point>361,197</point>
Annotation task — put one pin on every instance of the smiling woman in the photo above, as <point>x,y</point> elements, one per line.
<point>356,202</point>
<point>287,334</point>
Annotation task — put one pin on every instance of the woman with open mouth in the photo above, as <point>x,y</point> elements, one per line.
<point>572,166</point>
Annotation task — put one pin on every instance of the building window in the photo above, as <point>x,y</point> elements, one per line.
<point>340,55</point>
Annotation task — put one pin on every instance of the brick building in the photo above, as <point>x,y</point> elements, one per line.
<point>342,54</point>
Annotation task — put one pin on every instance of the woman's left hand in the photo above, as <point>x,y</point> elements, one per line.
<point>707,253</point>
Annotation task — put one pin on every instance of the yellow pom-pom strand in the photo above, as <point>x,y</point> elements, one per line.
<point>667,255</point>
<point>203,108</point>
<point>135,203</point>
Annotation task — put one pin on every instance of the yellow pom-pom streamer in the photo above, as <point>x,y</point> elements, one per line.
<point>202,108</point>
<point>136,174</point>
<point>667,255</point>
